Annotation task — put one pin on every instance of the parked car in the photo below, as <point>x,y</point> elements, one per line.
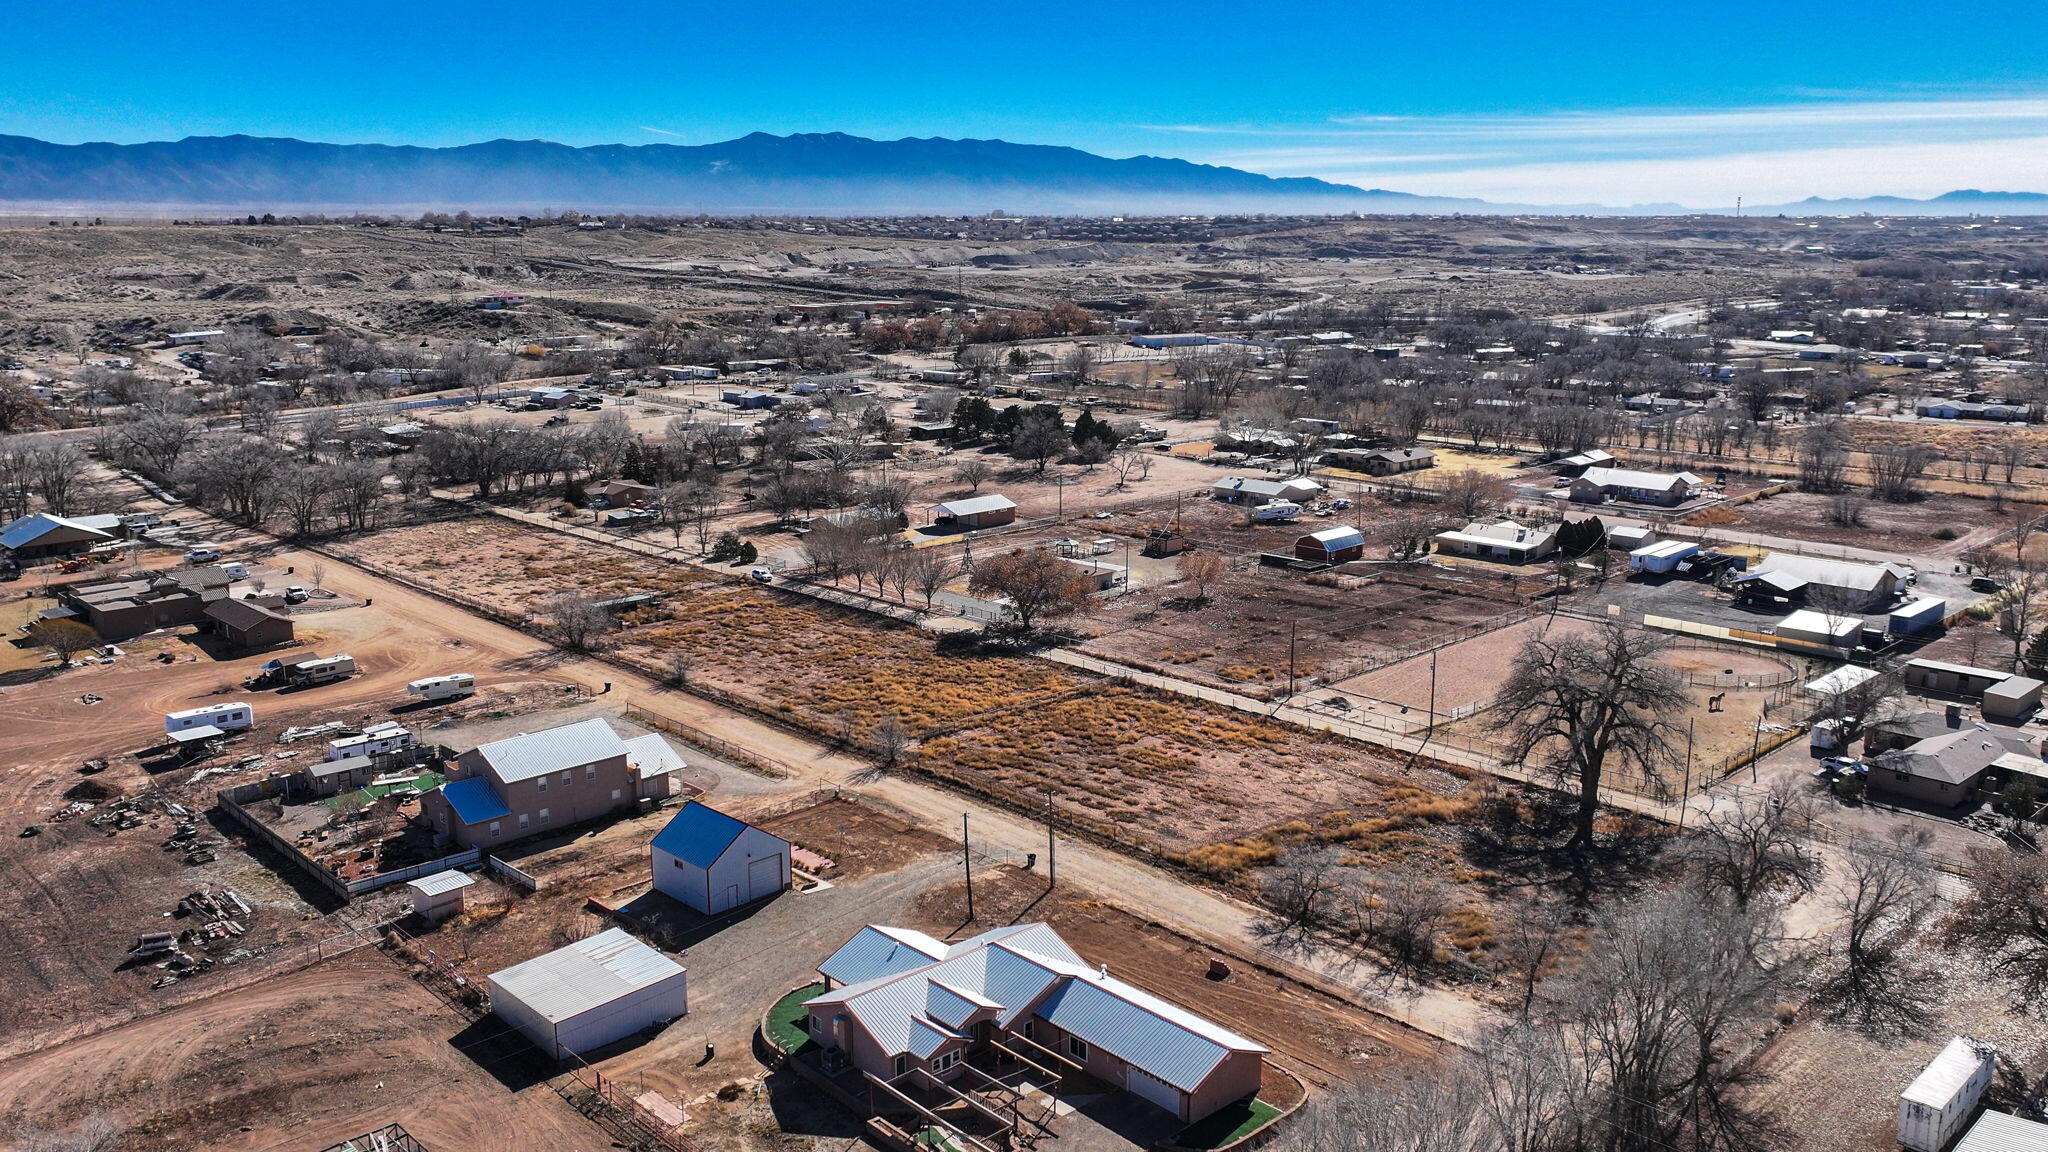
<point>1986,584</point>
<point>761,575</point>
<point>296,594</point>
<point>202,555</point>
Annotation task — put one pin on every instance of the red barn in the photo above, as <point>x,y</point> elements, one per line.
<point>1331,545</point>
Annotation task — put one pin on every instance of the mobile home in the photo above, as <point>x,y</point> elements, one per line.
<point>442,687</point>
<point>226,717</point>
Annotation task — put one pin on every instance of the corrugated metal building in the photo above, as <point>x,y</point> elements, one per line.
<point>590,993</point>
<point>1024,986</point>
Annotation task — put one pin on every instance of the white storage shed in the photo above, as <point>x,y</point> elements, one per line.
<point>1812,627</point>
<point>1661,557</point>
<point>713,862</point>
<point>1934,1106</point>
<point>591,993</point>
<point>435,898</point>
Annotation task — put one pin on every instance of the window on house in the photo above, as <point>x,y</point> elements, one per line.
<point>590,771</point>
<point>568,778</point>
<point>615,795</point>
<point>543,815</point>
<point>1028,1029</point>
<point>1077,1048</point>
<point>494,829</point>
<point>946,1060</point>
<point>522,819</point>
<point>542,781</point>
<point>902,1064</point>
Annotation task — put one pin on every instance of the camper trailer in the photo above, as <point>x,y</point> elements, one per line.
<point>375,740</point>
<point>226,717</point>
<point>447,687</point>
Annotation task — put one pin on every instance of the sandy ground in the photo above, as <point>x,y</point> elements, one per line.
<point>299,1062</point>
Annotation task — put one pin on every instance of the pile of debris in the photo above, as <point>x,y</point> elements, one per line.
<point>119,815</point>
<point>220,914</point>
<point>185,838</point>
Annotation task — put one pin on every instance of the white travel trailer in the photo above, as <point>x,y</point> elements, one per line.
<point>226,717</point>
<point>374,740</point>
<point>442,687</point>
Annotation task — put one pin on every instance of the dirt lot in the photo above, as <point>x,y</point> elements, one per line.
<point>1909,528</point>
<point>1461,676</point>
<point>297,1062</point>
<point>1167,772</point>
<point>1837,1113</point>
<point>1331,625</point>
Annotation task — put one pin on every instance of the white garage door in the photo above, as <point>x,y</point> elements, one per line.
<point>764,877</point>
<point>1143,1084</point>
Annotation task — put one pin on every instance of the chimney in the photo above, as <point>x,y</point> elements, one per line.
<point>1955,715</point>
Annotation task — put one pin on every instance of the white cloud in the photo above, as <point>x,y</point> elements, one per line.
<point>2010,165</point>
<point>1696,157</point>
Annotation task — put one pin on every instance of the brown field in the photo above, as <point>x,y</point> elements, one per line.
<point>1908,528</point>
<point>1459,676</point>
<point>1240,637</point>
<point>1169,773</point>
<point>298,1062</point>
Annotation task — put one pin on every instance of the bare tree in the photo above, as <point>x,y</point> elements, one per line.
<point>1303,889</point>
<point>1469,494</point>
<point>63,639</point>
<point>1037,584</point>
<point>973,473</point>
<point>1757,844</point>
<point>2003,921</point>
<point>1041,437</point>
<point>579,623</point>
<point>890,740</point>
<point>1583,704</point>
<point>929,571</point>
<point>1669,987</point>
<point>1201,569</point>
<point>1885,895</point>
<point>1532,936</point>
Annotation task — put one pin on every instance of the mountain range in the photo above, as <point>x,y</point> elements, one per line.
<point>808,173</point>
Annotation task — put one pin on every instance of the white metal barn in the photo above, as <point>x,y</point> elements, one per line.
<point>590,993</point>
<point>713,862</point>
<point>1934,1106</point>
<point>435,898</point>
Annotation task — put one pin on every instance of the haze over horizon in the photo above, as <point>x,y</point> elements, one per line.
<point>1580,103</point>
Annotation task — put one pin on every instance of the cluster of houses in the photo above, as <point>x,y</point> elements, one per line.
<point>129,606</point>
<point>898,1006</point>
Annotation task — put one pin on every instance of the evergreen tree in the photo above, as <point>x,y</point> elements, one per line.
<point>2037,652</point>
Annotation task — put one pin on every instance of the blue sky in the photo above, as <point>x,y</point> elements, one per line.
<point>1550,102</point>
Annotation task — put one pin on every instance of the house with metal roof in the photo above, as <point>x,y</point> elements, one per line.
<point>975,512</point>
<point>541,781</point>
<point>1021,995</point>
<point>714,862</point>
<point>1254,491</point>
<point>591,993</point>
<point>1661,489</point>
<point>1786,578</point>
<point>43,534</point>
<point>1499,540</point>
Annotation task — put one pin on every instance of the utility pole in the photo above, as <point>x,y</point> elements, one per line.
<point>1290,661</point>
<point>1756,736</point>
<point>1052,868</point>
<point>967,866</point>
<point>1685,797</point>
<point>1432,689</point>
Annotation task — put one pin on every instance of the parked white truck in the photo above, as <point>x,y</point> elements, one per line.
<point>448,687</point>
